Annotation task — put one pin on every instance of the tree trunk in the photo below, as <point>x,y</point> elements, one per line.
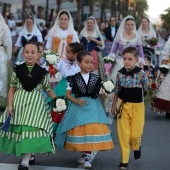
<point>51,15</point>
<point>119,9</point>
<point>113,8</point>
<point>26,10</point>
<point>59,2</point>
<point>91,7</point>
<point>79,15</point>
<point>103,14</point>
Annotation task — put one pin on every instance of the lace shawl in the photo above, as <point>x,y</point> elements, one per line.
<point>79,87</point>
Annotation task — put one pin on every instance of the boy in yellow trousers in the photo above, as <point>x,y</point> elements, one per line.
<point>129,86</point>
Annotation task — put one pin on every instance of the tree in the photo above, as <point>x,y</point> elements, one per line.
<point>165,19</point>
<point>103,14</point>
<point>26,9</point>
<point>79,15</point>
<point>59,2</point>
<point>140,6</point>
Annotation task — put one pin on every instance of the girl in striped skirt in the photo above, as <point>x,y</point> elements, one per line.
<point>30,129</point>
<point>85,126</point>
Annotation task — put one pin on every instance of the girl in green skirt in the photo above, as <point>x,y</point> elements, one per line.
<point>30,129</point>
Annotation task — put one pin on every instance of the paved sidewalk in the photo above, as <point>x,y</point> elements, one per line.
<point>34,167</point>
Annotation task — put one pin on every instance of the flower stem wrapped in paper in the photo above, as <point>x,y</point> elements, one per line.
<point>51,59</point>
<point>108,62</point>
<point>107,88</point>
<point>152,41</point>
<point>59,109</point>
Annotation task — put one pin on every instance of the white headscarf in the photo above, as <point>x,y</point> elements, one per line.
<point>35,30</point>
<point>7,40</point>
<point>122,27</point>
<point>151,33</point>
<point>54,30</point>
<point>96,34</point>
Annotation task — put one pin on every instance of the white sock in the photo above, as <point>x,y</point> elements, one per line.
<point>25,159</point>
<point>32,158</point>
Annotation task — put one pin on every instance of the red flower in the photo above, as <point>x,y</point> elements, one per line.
<point>51,70</point>
<point>153,85</point>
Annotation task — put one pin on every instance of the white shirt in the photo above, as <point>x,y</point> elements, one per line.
<point>85,77</point>
<point>11,23</point>
<point>113,31</point>
<point>19,43</point>
<point>67,69</point>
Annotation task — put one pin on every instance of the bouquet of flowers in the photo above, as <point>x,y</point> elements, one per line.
<point>107,88</point>
<point>51,59</point>
<point>108,62</point>
<point>59,109</point>
<point>151,90</point>
<point>153,41</point>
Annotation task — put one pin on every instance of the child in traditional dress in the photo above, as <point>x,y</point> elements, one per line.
<point>85,127</point>
<point>67,66</point>
<point>30,129</point>
<point>130,82</point>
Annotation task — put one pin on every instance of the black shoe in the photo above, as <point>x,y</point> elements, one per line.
<point>137,154</point>
<point>167,116</point>
<point>22,167</point>
<point>32,161</point>
<point>123,166</point>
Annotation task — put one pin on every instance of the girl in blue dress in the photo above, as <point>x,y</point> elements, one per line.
<point>85,127</point>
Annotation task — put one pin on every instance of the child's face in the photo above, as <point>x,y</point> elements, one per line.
<point>129,60</point>
<point>147,61</point>
<point>41,50</point>
<point>69,54</point>
<point>86,64</point>
<point>30,53</point>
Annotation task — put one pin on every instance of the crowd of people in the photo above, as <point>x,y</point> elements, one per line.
<point>78,76</point>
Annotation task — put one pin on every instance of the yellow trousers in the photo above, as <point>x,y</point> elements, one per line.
<point>130,128</point>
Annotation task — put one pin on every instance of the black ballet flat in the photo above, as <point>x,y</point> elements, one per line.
<point>31,162</point>
<point>23,167</point>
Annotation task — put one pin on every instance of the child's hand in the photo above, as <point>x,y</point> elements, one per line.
<point>10,111</point>
<point>104,96</point>
<point>81,102</point>
<point>114,112</point>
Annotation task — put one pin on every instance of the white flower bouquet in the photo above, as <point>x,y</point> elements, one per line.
<point>51,59</point>
<point>109,59</point>
<point>107,87</point>
<point>60,105</point>
<point>108,62</point>
<point>59,108</point>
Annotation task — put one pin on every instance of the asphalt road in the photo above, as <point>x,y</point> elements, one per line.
<point>155,151</point>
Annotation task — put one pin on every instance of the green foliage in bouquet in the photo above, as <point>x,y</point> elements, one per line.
<point>153,41</point>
